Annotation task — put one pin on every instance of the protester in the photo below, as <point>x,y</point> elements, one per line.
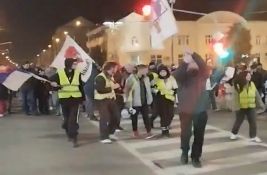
<point>246,99</point>
<point>70,94</point>
<point>89,92</point>
<point>193,104</point>
<point>167,87</point>
<point>153,77</point>
<point>42,93</point>
<point>105,100</point>
<point>139,96</point>
<point>28,92</point>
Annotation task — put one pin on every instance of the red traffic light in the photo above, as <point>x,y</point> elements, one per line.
<point>147,10</point>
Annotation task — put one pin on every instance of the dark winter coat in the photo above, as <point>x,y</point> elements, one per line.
<point>192,94</point>
<point>3,92</point>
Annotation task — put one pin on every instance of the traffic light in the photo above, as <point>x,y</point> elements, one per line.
<point>219,49</point>
<point>143,7</point>
<point>146,10</point>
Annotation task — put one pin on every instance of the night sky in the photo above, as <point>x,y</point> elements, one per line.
<point>30,24</point>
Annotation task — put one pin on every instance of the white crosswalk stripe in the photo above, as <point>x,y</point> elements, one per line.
<point>162,155</point>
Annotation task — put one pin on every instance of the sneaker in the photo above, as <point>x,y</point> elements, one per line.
<point>256,140</point>
<point>106,141</point>
<point>184,159</point>
<point>196,163</point>
<point>113,137</point>
<point>233,137</point>
<point>149,136</point>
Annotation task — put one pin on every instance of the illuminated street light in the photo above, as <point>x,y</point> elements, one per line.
<point>66,32</point>
<point>57,40</point>
<point>78,23</point>
<point>3,53</point>
<point>7,57</point>
<point>44,50</point>
<point>37,55</point>
<point>49,46</point>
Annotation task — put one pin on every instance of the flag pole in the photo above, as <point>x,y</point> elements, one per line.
<point>172,2</point>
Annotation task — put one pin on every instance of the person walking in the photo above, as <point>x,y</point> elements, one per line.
<point>153,77</point>
<point>193,104</point>
<point>105,100</point>
<point>28,92</point>
<point>71,95</point>
<point>139,97</point>
<point>246,99</point>
<point>167,87</point>
<point>89,92</point>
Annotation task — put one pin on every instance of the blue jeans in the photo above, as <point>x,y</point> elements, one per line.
<point>29,101</point>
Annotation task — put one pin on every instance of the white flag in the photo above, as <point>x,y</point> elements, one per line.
<point>85,66</point>
<point>16,79</point>
<point>164,23</point>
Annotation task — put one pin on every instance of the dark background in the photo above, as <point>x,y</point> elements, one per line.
<point>29,24</point>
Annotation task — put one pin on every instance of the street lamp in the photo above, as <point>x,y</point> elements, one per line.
<point>66,32</point>
<point>37,55</point>
<point>44,50</point>
<point>3,53</point>
<point>78,23</point>
<point>57,40</point>
<point>49,46</point>
<point>7,57</point>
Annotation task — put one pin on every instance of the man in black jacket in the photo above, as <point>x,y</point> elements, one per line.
<point>71,95</point>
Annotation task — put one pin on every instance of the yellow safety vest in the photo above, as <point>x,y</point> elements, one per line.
<point>69,89</point>
<point>247,97</point>
<point>168,93</point>
<point>153,82</point>
<point>110,95</point>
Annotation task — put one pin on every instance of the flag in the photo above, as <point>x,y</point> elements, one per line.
<point>70,47</point>
<point>164,23</point>
<point>14,80</point>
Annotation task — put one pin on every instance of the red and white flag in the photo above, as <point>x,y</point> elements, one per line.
<point>71,48</point>
<point>164,23</point>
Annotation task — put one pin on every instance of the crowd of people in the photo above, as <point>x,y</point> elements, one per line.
<point>152,90</point>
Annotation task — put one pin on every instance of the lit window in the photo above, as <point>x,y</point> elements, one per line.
<point>258,40</point>
<point>208,39</point>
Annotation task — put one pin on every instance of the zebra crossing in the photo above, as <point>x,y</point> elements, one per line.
<point>220,154</point>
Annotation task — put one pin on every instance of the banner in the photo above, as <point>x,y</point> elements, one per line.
<point>85,63</point>
<point>164,23</point>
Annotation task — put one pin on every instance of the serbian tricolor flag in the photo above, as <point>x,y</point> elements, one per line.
<point>164,23</point>
<point>13,79</point>
<point>71,49</point>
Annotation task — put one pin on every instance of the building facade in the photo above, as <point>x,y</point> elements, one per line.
<point>130,42</point>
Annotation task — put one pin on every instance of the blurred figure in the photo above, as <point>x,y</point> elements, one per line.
<point>42,93</point>
<point>28,92</point>
<point>193,104</point>
<point>139,97</point>
<point>246,98</point>
<point>153,77</point>
<point>89,92</point>
<point>3,100</point>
